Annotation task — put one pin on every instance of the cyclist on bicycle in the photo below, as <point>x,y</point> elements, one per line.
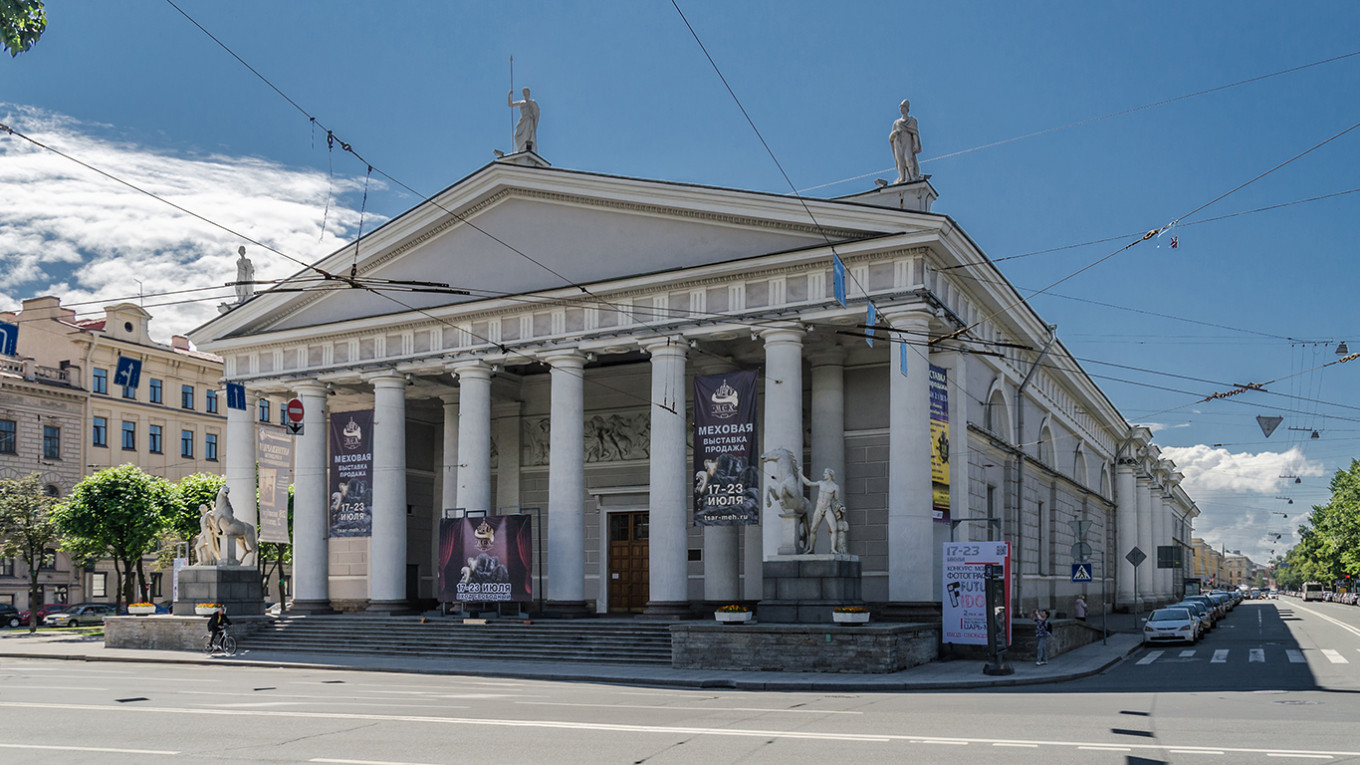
<point>217,624</point>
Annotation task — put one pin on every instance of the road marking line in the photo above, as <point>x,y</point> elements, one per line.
<point>1308,756</point>
<point>364,762</point>
<point>113,750</point>
<point>1192,751</point>
<point>1187,654</point>
<point>1295,656</point>
<point>1106,748</point>
<point>1335,656</point>
<point>1155,655</point>
<point>1256,654</point>
<point>1220,656</point>
<point>951,743</point>
<point>1019,746</point>
<point>688,709</point>
<point>1338,623</point>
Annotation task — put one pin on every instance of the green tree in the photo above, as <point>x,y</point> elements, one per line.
<point>21,24</point>
<point>182,517</point>
<point>27,531</point>
<point>1329,541</point>
<point>115,513</point>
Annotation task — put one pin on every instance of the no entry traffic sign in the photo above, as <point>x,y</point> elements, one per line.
<point>294,411</point>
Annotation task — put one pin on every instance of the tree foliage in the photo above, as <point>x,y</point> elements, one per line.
<point>1329,548</point>
<point>115,513</point>
<point>182,516</point>
<point>27,530</point>
<point>21,24</point>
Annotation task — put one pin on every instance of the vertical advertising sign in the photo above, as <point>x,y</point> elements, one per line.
<point>274,455</point>
<point>486,559</point>
<point>939,443</point>
<point>964,602</point>
<point>726,473</point>
<point>351,479</point>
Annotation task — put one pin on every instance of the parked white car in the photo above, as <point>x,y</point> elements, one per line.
<point>1170,624</point>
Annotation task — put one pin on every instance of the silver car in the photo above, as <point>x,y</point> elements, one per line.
<point>1170,624</point>
<point>87,614</point>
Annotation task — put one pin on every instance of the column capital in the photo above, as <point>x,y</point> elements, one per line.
<point>564,358</point>
<point>388,378</point>
<point>470,369</point>
<point>450,398</point>
<point>672,345</point>
<point>782,336</point>
<point>910,312</point>
<point>309,388</point>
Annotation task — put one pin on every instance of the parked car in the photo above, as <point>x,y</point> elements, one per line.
<point>1169,624</point>
<point>44,612</point>
<point>1201,615</point>
<point>9,615</point>
<point>88,613</point>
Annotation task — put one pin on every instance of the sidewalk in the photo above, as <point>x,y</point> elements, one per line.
<point>940,675</point>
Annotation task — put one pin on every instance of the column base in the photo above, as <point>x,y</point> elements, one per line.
<point>389,608</point>
<point>567,609</point>
<point>313,607</point>
<point>662,610</point>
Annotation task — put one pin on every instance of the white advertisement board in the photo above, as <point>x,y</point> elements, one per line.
<point>965,596</point>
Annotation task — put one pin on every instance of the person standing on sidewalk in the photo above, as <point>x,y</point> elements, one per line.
<point>1042,631</point>
<point>1080,608</point>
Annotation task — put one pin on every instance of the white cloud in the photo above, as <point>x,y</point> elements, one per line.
<point>1157,427</point>
<point>1210,469</point>
<point>70,232</point>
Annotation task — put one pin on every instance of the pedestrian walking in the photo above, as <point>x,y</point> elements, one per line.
<point>1042,630</point>
<point>1080,608</point>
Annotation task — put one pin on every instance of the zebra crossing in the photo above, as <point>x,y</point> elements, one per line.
<point>1253,655</point>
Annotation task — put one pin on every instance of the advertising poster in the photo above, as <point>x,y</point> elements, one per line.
<point>351,474</point>
<point>939,443</point>
<point>485,559</point>
<point>726,473</point>
<point>964,603</point>
<point>274,456</point>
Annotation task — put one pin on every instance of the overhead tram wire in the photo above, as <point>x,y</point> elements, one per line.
<point>1090,120</point>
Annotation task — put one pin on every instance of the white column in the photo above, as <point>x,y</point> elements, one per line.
<point>828,427</point>
<point>1145,569</point>
<point>1167,582</point>
<point>474,435</point>
<point>567,484</point>
<point>910,531</point>
<point>311,520</point>
<point>240,458</point>
<point>783,429</point>
<point>1126,530</point>
<point>448,494</point>
<point>387,551</point>
<point>668,546</point>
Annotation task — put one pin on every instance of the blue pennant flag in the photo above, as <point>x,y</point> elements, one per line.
<point>871,320</point>
<point>236,396</point>
<point>902,357</point>
<point>838,278</point>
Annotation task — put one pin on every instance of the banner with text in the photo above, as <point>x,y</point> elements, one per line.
<point>939,443</point>
<point>351,479</point>
<point>274,456</point>
<point>964,601</point>
<point>726,473</point>
<point>485,559</point>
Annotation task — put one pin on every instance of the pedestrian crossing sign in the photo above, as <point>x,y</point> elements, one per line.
<point>1081,572</point>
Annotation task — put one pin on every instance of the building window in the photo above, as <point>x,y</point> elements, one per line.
<point>99,585</point>
<point>186,397</point>
<point>212,401</point>
<point>186,443</point>
<point>283,414</point>
<point>51,443</point>
<point>210,447</point>
<point>49,560</point>
<point>153,439</point>
<point>129,392</point>
<point>6,567</point>
<point>264,410</point>
<point>129,436</point>
<point>156,391</point>
<point>156,578</point>
<point>99,432</point>
<point>101,381</point>
<point>7,439</point>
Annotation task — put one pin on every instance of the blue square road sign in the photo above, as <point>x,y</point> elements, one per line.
<point>1081,572</point>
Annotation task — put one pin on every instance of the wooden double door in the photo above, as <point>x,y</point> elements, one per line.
<point>629,584</point>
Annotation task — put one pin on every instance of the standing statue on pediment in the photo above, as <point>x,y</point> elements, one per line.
<point>526,130</point>
<point>245,276</point>
<point>905,139</point>
<point>828,501</point>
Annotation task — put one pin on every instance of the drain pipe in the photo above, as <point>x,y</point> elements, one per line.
<point>1020,468</point>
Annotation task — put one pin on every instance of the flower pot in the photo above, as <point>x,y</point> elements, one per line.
<point>141,610</point>
<point>849,617</point>
<point>204,610</point>
<point>733,617</point>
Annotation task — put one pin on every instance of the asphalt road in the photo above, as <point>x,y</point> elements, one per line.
<point>1239,696</point>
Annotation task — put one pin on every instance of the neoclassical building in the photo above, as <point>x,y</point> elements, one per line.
<point>553,374</point>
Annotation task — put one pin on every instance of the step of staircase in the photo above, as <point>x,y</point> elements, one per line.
<point>615,642</point>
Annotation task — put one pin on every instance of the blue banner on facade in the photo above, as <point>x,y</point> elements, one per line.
<point>838,278</point>
<point>870,318</point>
<point>351,483</point>
<point>726,450</point>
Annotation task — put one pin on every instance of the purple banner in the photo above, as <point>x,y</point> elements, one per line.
<point>485,559</point>
<point>726,473</point>
<point>351,481</point>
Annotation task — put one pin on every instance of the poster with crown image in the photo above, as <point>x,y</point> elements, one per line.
<point>486,559</point>
<point>726,458</point>
<point>351,474</point>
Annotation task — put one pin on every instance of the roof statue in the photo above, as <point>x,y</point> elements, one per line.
<point>245,276</point>
<point>905,139</point>
<point>526,130</point>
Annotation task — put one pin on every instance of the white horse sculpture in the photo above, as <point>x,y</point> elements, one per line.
<point>232,529</point>
<point>785,490</point>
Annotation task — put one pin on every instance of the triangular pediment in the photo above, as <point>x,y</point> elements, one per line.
<point>510,230</point>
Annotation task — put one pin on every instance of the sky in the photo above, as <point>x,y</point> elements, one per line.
<point>1054,132</point>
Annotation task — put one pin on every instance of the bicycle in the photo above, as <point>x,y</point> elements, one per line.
<point>226,644</point>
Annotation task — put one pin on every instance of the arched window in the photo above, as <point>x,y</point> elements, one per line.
<point>997,417</point>
<point>1045,450</point>
<point>1079,468</point>
<point>52,490</point>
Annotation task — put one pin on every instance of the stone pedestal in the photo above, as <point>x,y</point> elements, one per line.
<point>237,588</point>
<point>803,589</point>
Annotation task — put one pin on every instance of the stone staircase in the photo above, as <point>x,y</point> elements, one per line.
<point>585,640</point>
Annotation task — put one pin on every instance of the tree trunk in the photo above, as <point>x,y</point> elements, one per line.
<point>34,592</point>
<point>117,584</point>
<point>282,596</point>
<point>143,593</point>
